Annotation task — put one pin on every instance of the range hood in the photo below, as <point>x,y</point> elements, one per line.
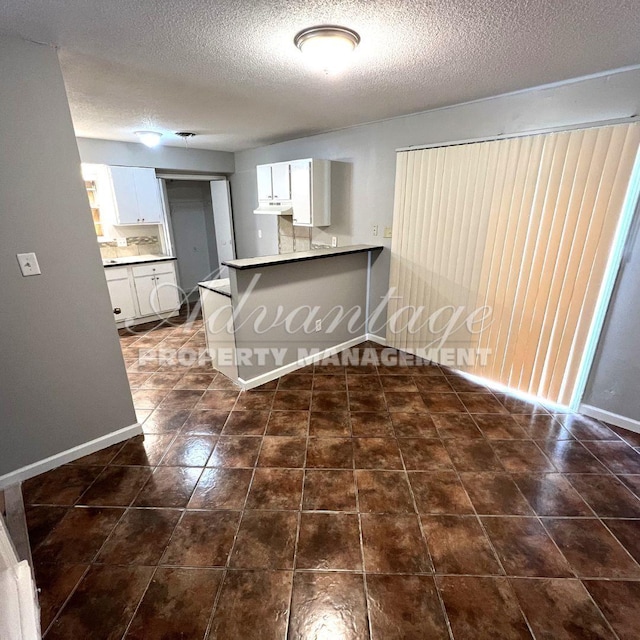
<point>277,208</point>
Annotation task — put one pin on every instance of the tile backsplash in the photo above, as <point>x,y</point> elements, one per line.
<point>292,238</point>
<point>136,246</point>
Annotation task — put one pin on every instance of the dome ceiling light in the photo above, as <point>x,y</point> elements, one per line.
<point>327,47</point>
<point>149,138</point>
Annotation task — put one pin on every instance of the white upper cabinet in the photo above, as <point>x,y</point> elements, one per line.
<point>311,192</point>
<point>273,182</point>
<point>136,195</point>
<point>265,188</point>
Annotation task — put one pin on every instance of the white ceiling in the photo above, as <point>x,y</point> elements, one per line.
<point>229,71</point>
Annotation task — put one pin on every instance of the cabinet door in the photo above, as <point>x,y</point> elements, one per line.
<point>146,295</point>
<point>167,292</point>
<point>301,192</point>
<point>121,298</point>
<point>263,172</point>
<point>124,193</point>
<point>280,181</point>
<point>148,196</point>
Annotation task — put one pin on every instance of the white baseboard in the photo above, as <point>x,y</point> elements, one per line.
<point>611,418</point>
<point>298,364</point>
<point>69,455</point>
<point>379,339</point>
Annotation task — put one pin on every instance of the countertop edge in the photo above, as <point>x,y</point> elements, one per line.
<point>221,291</point>
<point>285,258</point>
<point>133,262</point>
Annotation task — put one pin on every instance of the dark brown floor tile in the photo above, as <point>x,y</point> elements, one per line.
<point>618,457</point>
<point>325,401</point>
<point>329,383</point>
<point>296,381</point>
<point>165,421</point>
<point>498,427</point>
<point>329,490</point>
<point>551,494</point>
<point>519,406</point>
<point>628,533</point>
<point>329,424</point>
<point>398,383</point>
<point>276,489</point>
<point>459,545</point>
<point>495,494</point>
<point>177,604</point>
<point>437,402</point>
<point>148,398</point>
<point>464,385</point>
<point>116,487</point>
<point>292,401</point>
<point>137,380</point>
<point>78,536</point>
<point>560,609</point>
<point>606,495</point>
<point>432,384</point>
<point>405,608</point>
<point>246,423</point>
<point>405,402</point>
<point>369,424</point>
<point>525,548</point>
<point>144,450</point>
<point>253,605</point>
<point>255,400</point>
<point>181,399</point>
<point>202,539</point>
<point>585,428</point>
<point>204,422</point>
<point>329,366</point>
<point>41,520</point>
<point>168,487</point>
<point>412,425</point>
<point>195,381</point>
<point>591,550</point>
<point>220,400</point>
<point>542,427</point>
<point>221,489</point>
<point>439,492</point>
<point>329,541</point>
<point>618,601</point>
<point>55,582</point>
<point>376,453</point>
<point>632,438</point>
<point>266,540</point>
<point>103,604</point>
<point>631,481</point>
<point>357,382</point>
<point>99,458</point>
<point>571,457</point>
<point>456,425</point>
<point>330,605</point>
<point>423,454</point>
<point>280,451</point>
<point>473,455</point>
<point>140,537</point>
<point>222,383</point>
<point>330,453</point>
<point>361,400</point>
<point>482,608</point>
<point>383,492</point>
<point>393,544</point>
<point>288,423</point>
<point>235,451</point>
<point>482,403</point>
<point>61,486</point>
<point>162,381</point>
<point>189,451</point>
<point>519,456</point>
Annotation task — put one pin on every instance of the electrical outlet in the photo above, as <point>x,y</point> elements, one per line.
<point>318,325</point>
<point>122,242</point>
<point>334,241</point>
<point>387,232</point>
<point>28,264</point>
<point>259,233</point>
<point>375,230</point>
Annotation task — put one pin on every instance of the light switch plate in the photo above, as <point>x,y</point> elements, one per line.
<point>28,264</point>
<point>334,241</point>
<point>387,232</point>
<point>122,242</point>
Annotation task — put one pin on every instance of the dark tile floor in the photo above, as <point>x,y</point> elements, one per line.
<point>339,503</point>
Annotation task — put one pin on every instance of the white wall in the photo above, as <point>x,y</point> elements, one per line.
<point>363,191</point>
<point>62,378</point>
<point>131,154</point>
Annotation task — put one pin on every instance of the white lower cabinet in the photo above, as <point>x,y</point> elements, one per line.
<point>140,293</point>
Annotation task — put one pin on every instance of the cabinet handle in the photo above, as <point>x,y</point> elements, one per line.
<point>117,311</point>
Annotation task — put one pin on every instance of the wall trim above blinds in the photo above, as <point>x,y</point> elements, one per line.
<point>514,236</point>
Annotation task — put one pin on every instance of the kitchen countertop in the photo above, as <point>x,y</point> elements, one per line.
<point>221,286</point>
<point>120,262</point>
<point>283,258</point>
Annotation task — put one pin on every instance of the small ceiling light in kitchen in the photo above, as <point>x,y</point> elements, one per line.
<point>327,47</point>
<point>149,138</point>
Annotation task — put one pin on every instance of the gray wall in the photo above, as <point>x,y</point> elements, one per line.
<point>62,379</point>
<point>131,154</point>
<point>363,192</point>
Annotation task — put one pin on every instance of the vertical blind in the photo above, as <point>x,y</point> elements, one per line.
<point>500,249</point>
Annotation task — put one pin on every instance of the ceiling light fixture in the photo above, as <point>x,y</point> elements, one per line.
<point>149,138</point>
<point>327,47</point>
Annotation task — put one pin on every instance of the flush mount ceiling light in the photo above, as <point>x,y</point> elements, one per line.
<point>149,138</point>
<point>327,47</point>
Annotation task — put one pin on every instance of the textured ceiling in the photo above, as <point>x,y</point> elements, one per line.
<point>230,72</point>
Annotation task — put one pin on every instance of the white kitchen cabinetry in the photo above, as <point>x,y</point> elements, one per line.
<point>136,196</point>
<point>273,182</point>
<point>120,293</point>
<point>311,192</point>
